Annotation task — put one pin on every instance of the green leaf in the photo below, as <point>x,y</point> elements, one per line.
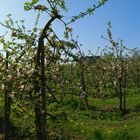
<point>34,1</point>
<point>27,6</point>
<point>1,39</point>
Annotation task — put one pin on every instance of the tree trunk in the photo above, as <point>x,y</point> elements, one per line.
<point>120,95</point>
<point>125,88</point>
<point>84,88</point>
<point>43,92</point>
<point>124,103</point>
<point>37,105</point>
<point>40,84</point>
<point>7,107</point>
<point>7,111</point>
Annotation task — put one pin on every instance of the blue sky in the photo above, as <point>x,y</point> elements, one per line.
<point>123,14</point>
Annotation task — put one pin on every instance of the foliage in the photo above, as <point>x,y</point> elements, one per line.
<point>50,88</point>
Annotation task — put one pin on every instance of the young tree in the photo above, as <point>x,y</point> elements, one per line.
<point>120,68</point>
<point>16,55</point>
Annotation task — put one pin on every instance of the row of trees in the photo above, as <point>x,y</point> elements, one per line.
<point>37,68</point>
<point>31,62</point>
<point>67,74</point>
<point>112,74</point>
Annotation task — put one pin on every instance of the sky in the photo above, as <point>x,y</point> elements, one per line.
<point>123,14</point>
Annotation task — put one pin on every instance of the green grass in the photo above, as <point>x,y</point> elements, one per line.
<point>102,121</point>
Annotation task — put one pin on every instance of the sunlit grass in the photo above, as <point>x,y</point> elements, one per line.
<point>103,121</point>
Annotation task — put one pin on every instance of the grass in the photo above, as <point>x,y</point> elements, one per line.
<point>102,121</point>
